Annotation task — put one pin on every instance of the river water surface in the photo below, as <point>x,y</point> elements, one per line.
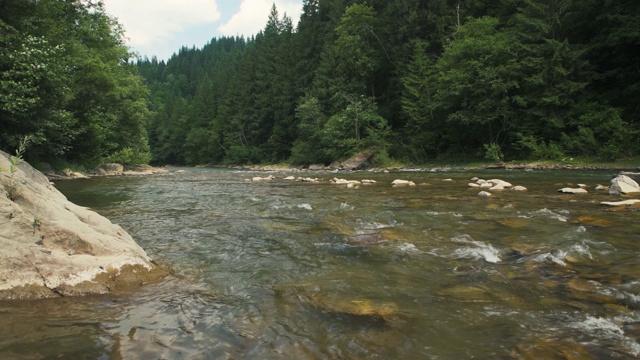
<point>293,270</point>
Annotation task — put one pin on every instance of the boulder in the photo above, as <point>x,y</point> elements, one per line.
<point>52,247</point>
<point>623,185</point>
<point>572,191</point>
<point>357,161</point>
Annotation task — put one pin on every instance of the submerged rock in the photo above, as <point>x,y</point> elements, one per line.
<point>467,293</point>
<point>357,307</point>
<point>552,349</point>
<point>52,247</point>
<point>589,220</point>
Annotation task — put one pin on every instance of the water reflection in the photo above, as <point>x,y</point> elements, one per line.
<point>297,270</point>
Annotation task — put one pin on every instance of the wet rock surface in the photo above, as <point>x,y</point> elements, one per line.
<point>52,247</point>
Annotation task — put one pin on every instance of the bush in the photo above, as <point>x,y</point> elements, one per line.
<point>129,156</point>
<point>540,150</point>
<point>493,152</point>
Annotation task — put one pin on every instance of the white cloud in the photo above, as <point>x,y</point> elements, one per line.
<point>153,25</point>
<point>253,16</point>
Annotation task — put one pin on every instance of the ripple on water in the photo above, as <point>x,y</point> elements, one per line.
<point>234,243</point>
<point>477,251</point>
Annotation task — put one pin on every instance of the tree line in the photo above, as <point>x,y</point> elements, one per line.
<point>414,80</point>
<point>418,80</point>
<point>68,84</point>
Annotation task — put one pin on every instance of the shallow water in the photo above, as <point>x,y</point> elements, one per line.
<point>284,270</point>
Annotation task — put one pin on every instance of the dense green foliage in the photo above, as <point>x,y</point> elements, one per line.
<point>67,83</point>
<point>421,79</point>
<point>418,79</point>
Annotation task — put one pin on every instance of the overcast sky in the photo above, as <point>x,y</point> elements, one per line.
<point>161,27</point>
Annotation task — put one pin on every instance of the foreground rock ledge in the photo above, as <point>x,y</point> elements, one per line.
<point>51,247</point>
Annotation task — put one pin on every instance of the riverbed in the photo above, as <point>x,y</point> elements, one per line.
<point>297,270</point>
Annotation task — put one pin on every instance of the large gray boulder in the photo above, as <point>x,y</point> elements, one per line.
<point>52,247</point>
<point>623,185</point>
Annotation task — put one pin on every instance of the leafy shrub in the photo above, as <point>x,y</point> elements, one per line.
<point>540,150</point>
<point>493,152</point>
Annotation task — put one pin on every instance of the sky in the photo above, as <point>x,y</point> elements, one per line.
<point>162,27</point>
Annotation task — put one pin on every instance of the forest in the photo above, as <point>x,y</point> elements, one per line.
<point>69,86</point>
<point>412,80</point>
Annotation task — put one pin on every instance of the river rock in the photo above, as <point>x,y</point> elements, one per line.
<point>74,174</point>
<point>484,194</point>
<point>518,189</point>
<point>621,203</point>
<point>499,185</point>
<point>601,188</point>
<point>143,169</point>
<point>474,185</point>
<point>572,191</point>
<point>261,179</point>
<point>623,185</point>
<point>290,178</point>
<point>401,183</point>
<point>52,247</point>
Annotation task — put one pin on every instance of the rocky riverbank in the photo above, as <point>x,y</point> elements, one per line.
<point>113,169</point>
<point>52,247</point>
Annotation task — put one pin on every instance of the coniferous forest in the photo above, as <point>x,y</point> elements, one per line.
<point>415,80</point>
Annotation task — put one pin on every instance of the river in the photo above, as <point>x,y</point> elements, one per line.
<point>295,270</point>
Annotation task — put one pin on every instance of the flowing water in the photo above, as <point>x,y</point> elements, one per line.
<point>293,270</point>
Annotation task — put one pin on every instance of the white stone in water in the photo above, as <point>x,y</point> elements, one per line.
<point>486,185</point>
<point>621,203</point>
<point>447,180</point>
<point>474,185</point>
<point>399,182</point>
<point>290,178</point>
<point>481,181</point>
<point>475,179</point>
<point>339,181</point>
<point>601,188</point>
<point>583,186</point>
<point>484,194</point>
<point>572,191</point>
